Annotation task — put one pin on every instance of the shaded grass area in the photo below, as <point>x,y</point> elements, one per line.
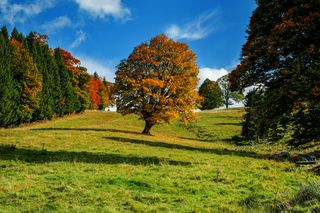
<point>86,129</point>
<point>99,162</point>
<point>217,151</point>
<point>44,156</point>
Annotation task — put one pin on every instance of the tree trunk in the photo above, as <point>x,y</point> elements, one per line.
<point>147,128</point>
<point>227,102</point>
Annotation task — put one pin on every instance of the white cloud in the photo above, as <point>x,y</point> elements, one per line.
<point>103,68</point>
<point>81,37</point>
<point>211,73</point>
<point>194,30</point>
<point>56,24</point>
<point>103,8</point>
<point>18,13</point>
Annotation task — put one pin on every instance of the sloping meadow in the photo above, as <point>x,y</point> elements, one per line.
<point>99,161</point>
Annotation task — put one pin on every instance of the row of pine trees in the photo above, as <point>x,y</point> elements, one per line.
<point>39,83</point>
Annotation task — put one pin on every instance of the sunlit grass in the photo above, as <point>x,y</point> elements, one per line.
<point>99,161</point>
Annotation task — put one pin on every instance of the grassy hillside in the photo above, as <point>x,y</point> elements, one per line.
<point>98,161</point>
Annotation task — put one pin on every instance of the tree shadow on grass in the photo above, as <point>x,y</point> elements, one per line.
<point>228,124</point>
<point>229,140</point>
<point>10,152</point>
<point>217,151</point>
<point>86,129</point>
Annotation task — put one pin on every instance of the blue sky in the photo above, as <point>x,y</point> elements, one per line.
<point>102,32</point>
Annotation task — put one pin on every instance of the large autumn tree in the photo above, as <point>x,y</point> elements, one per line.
<point>282,57</point>
<point>157,82</point>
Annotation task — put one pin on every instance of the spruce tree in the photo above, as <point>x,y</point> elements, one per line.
<point>15,34</point>
<point>9,96</point>
<point>39,51</point>
<point>56,87</point>
<point>68,96</point>
<point>103,94</point>
<point>5,34</point>
<point>83,85</point>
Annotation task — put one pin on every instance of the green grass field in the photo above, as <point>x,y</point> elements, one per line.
<point>98,162</point>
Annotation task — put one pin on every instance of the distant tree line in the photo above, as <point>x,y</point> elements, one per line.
<point>218,93</point>
<point>39,83</point>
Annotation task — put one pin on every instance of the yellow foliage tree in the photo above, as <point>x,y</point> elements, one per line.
<point>29,80</point>
<point>157,82</point>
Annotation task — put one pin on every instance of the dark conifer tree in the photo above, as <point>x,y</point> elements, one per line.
<point>282,54</point>
<point>17,35</point>
<point>9,96</point>
<point>68,96</point>
<point>39,51</point>
<point>83,85</point>
<point>5,34</point>
<point>56,90</point>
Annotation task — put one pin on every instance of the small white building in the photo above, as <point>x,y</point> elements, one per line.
<point>111,108</point>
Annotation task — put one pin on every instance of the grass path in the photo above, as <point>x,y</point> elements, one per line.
<point>98,162</point>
